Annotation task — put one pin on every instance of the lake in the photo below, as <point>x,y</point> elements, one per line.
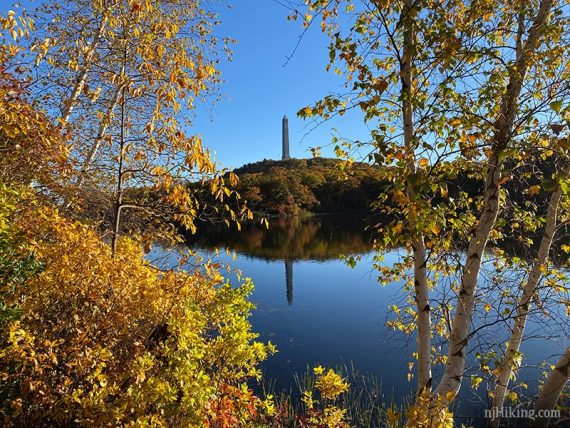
<point>316,310</point>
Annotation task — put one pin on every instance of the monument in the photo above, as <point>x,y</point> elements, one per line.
<point>286,138</point>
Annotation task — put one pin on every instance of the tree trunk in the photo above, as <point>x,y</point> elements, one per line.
<point>104,125</point>
<point>551,390</point>
<point>509,362</point>
<point>119,196</point>
<point>69,104</point>
<point>455,365</point>
<point>421,288</point>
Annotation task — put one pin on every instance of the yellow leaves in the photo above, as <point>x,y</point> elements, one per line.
<point>329,384</point>
<point>11,130</point>
<point>397,228</point>
<point>210,70</point>
<point>149,128</point>
<point>307,111</point>
<point>487,307</point>
<point>17,28</point>
<point>393,417</point>
<point>476,381</point>
<point>73,64</point>
<point>424,163</point>
<point>115,313</point>
<point>456,121</point>
<point>430,412</point>
<point>435,229</point>
<point>399,197</point>
<point>307,398</point>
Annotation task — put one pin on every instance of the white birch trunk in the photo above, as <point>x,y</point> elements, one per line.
<point>455,365</point>
<point>524,306</point>
<point>103,126</point>
<point>551,390</point>
<point>421,288</point>
<point>69,104</point>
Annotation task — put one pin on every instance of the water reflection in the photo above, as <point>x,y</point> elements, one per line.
<point>289,280</point>
<point>291,240</point>
<point>315,238</point>
<point>339,315</point>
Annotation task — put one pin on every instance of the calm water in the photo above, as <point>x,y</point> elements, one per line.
<point>311,305</point>
<point>319,311</point>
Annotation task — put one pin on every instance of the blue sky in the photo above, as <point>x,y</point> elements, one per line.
<point>246,125</point>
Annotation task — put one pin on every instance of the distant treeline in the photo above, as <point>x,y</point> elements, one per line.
<point>318,185</point>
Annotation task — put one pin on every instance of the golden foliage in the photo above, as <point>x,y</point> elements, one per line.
<point>30,147</point>
<point>330,386</point>
<point>429,412</point>
<point>106,341</point>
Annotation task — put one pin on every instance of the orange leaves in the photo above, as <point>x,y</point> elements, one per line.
<point>534,190</point>
<point>423,162</point>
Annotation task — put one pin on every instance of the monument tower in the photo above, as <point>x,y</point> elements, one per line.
<point>286,138</point>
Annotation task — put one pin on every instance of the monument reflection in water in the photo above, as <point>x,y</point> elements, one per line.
<point>339,314</point>
<point>291,240</point>
<point>315,309</point>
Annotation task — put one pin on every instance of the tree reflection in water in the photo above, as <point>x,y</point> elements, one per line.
<point>289,240</point>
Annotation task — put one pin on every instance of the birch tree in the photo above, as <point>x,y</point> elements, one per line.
<point>551,390</point>
<point>158,58</point>
<point>503,128</point>
<point>68,44</point>
<point>446,88</point>
<point>388,79</point>
<point>530,290</point>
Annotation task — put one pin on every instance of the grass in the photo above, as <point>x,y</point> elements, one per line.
<point>365,404</point>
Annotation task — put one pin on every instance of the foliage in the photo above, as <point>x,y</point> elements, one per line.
<point>315,185</point>
<point>30,146</point>
<point>454,89</point>
<point>426,413</point>
<point>90,336</point>
<point>114,341</point>
<point>17,261</point>
<point>123,80</point>
<point>329,386</point>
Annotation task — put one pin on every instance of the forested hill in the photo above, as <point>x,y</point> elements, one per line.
<point>316,185</point>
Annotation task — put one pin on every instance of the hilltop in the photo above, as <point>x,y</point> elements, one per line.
<point>319,185</point>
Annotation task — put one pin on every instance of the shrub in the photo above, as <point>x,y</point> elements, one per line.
<point>103,341</point>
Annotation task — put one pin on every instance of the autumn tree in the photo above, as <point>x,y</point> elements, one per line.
<point>137,70</point>
<point>93,334</point>
<point>551,390</point>
<point>446,87</point>
<point>540,267</point>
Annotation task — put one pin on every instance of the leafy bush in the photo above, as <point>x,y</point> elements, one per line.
<point>105,341</point>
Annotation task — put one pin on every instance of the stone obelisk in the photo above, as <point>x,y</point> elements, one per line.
<point>286,138</point>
